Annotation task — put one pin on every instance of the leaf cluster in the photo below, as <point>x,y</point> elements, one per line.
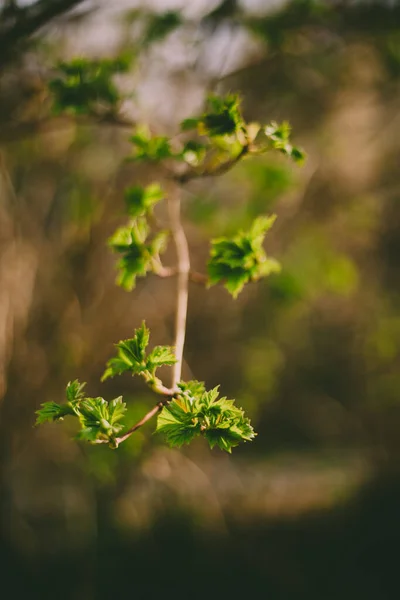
<point>139,254</point>
<point>198,412</point>
<point>99,419</point>
<point>132,357</point>
<point>222,117</point>
<point>278,137</point>
<point>149,147</point>
<point>86,86</point>
<point>140,201</point>
<point>240,259</point>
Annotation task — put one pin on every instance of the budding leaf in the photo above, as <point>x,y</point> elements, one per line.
<point>51,411</point>
<point>222,117</point>
<point>148,147</point>
<point>74,391</point>
<point>141,200</point>
<point>132,357</point>
<point>203,413</point>
<point>138,253</point>
<point>85,86</point>
<point>100,419</point>
<point>236,261</point>
<point>278,137</point>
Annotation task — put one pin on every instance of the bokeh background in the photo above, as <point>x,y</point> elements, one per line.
<point>311,509</point>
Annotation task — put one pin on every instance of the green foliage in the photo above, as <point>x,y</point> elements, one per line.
<point>278,137</point>
<point>148,147</point>
<point>236,261</point>
<point>159,26</point>
<point>222,117</point>
<point>220,137</point>
<point>132,357</point>
<point>51,411</point>
<point>198,412</point>
<point>140,201</point>
<point>74,391</point>
<point>139,255</point>
<point>99,419</point>
<point>86,86</point>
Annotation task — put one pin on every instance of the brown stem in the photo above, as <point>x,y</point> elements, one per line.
<point>142,421</point>
<point>183,259</point>
<point>223,168</point>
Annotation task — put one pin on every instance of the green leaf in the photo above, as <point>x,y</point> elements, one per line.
<point>85,86</point>
<point>138,253</point>
<point>278,137</point>
<point>148,147</point>
<point>74,391</point>
<point>238,260</point>
<point>198,412</point>
<point>141,200</point>
<point>100,419</point>
<point>192,388</point>
<point>159,26</point>
<point>160,356</point>
<point>51,411</point>
<point>131,357</point>
<point>222,117</point>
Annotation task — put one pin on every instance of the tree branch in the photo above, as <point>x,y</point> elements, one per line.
<point>19,23</point>
<point>182,252</point>
<point>142,421</point>
<point>222,168</point>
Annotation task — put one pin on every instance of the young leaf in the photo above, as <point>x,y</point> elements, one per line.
<point>278,137</point>
<point>218,419</point>
<point>100,419</point>
<point>138,253</point>
<point>131,356</point>
<point>140,201</point>
<point>86,86</point>
<point>236,261</point>
<point>51,411</point>
<point>222,117</point>
<point>148,147</point>
<point>74,391</point>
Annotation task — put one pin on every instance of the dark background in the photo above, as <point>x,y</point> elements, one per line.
<point>310,509</point>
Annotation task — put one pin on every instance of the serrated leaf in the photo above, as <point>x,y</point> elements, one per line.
<point>141,200</point>
<point>278,137</point>
<point>236,261</point>
<point>148,147</point>
<point>220,421</point>
<point>51,411</point>
<point>138,253</point>
<point>100,419</point>
<point>161,355</point>
<point>74,391</point>
<point>193,388</point>
<point>131,357</point>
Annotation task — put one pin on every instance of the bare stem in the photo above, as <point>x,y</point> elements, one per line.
<point>142,421</point>
<point>183,270</point>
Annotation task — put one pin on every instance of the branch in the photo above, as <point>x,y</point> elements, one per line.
<point>19,23</point>
<point>142,421</point>
<point>14,132</point>
<point>223,168</point>
<point>182,252</point>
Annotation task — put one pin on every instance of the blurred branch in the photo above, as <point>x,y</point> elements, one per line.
<point>19,23</point>
<point>20,130</point>
<point>182,252</point>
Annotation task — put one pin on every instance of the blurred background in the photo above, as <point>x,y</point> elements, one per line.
<point>310,509</point>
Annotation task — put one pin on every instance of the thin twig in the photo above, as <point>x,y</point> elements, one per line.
<point>183,260</point>
<point>223,168</point>
<point>142,421</point>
